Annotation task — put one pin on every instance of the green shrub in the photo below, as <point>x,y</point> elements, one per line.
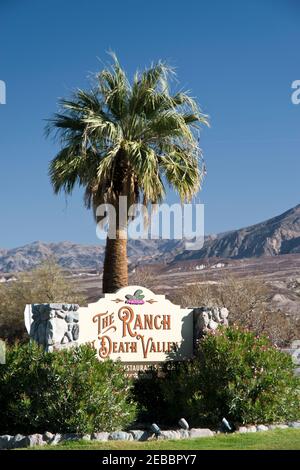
<point>235,374</point>
<point>247,379</point>
<point>64,391</point>
<point>164,396</point>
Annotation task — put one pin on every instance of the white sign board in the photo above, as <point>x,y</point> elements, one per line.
<point>135,325</point>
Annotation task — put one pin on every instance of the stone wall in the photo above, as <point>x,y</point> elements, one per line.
<point>33,440</point>
<point>208,319</point>
<point>53,326</point>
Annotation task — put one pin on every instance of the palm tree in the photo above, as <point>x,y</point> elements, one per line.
<point>127,139</point>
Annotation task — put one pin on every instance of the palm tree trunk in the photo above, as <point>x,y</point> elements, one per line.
<point>115,270</point>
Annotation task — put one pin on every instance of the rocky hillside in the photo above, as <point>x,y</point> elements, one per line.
<point>75,256</point>
<point>67,254</point>
<point>277,236</point>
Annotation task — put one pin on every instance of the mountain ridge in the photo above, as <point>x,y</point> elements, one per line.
<point>72,255</point>
<point>275,236</point>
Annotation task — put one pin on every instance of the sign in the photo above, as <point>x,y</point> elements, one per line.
<point>137,326</point>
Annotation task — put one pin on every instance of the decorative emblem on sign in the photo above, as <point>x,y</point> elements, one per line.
<point>136,298</point>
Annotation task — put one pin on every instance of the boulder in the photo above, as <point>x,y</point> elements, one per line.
<point>208,319</point>
<point>262,427</point>
<point>20,441</point>
<point>6,441</point>
<point>100,436</point>
<point>184,433</point>
<point>224,312</point>
<point>278,426</point>
<point>56,439</point>
<point>71,437</point>
<point>48,437</point>
<point>294,424</point>
<point>251,428</point>
<point>197,432</point>
<point>120,436</point>
<point>169,435</point>
<point>242,429</point>
<point>36,440</point>
<point>139,435</point>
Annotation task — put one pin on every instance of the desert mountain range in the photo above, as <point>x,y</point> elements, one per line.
<point>276,236</point>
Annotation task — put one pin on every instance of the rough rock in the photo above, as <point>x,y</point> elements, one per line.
<point>294,424</point>
<point>184,433</point>
<point>20,441</point>
<point>197,432</point>
<point>71,437</point>
<point>6,441</point>
<point>139,435</point>
<point>169,435</point>
<point>208,319</point>
<point>224,312</point>
<point>100,436</point>
<point>120,436</point>
<point>52,325</point>
<point>262,427</point>
<point>56,439</point>
<point>297,371</point>
<point>36,440</point>
<point>242,429</point>
<point>251,428</point>
<point>278,426</point>
<point>48,437</point>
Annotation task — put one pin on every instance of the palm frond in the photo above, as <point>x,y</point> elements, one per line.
<point>123,138</point>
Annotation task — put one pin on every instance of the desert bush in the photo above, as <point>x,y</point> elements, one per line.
<point>63,391</point>
<point>249,304</point>
<point>46,283</point>
<point>142,276</point>
<point>235,374</point>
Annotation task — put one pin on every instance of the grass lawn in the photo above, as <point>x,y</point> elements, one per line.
<point>287,439</point>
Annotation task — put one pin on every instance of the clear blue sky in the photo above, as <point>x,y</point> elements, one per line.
<point>238,58</point>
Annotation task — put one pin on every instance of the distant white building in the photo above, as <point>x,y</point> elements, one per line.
<point>218,265</point>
